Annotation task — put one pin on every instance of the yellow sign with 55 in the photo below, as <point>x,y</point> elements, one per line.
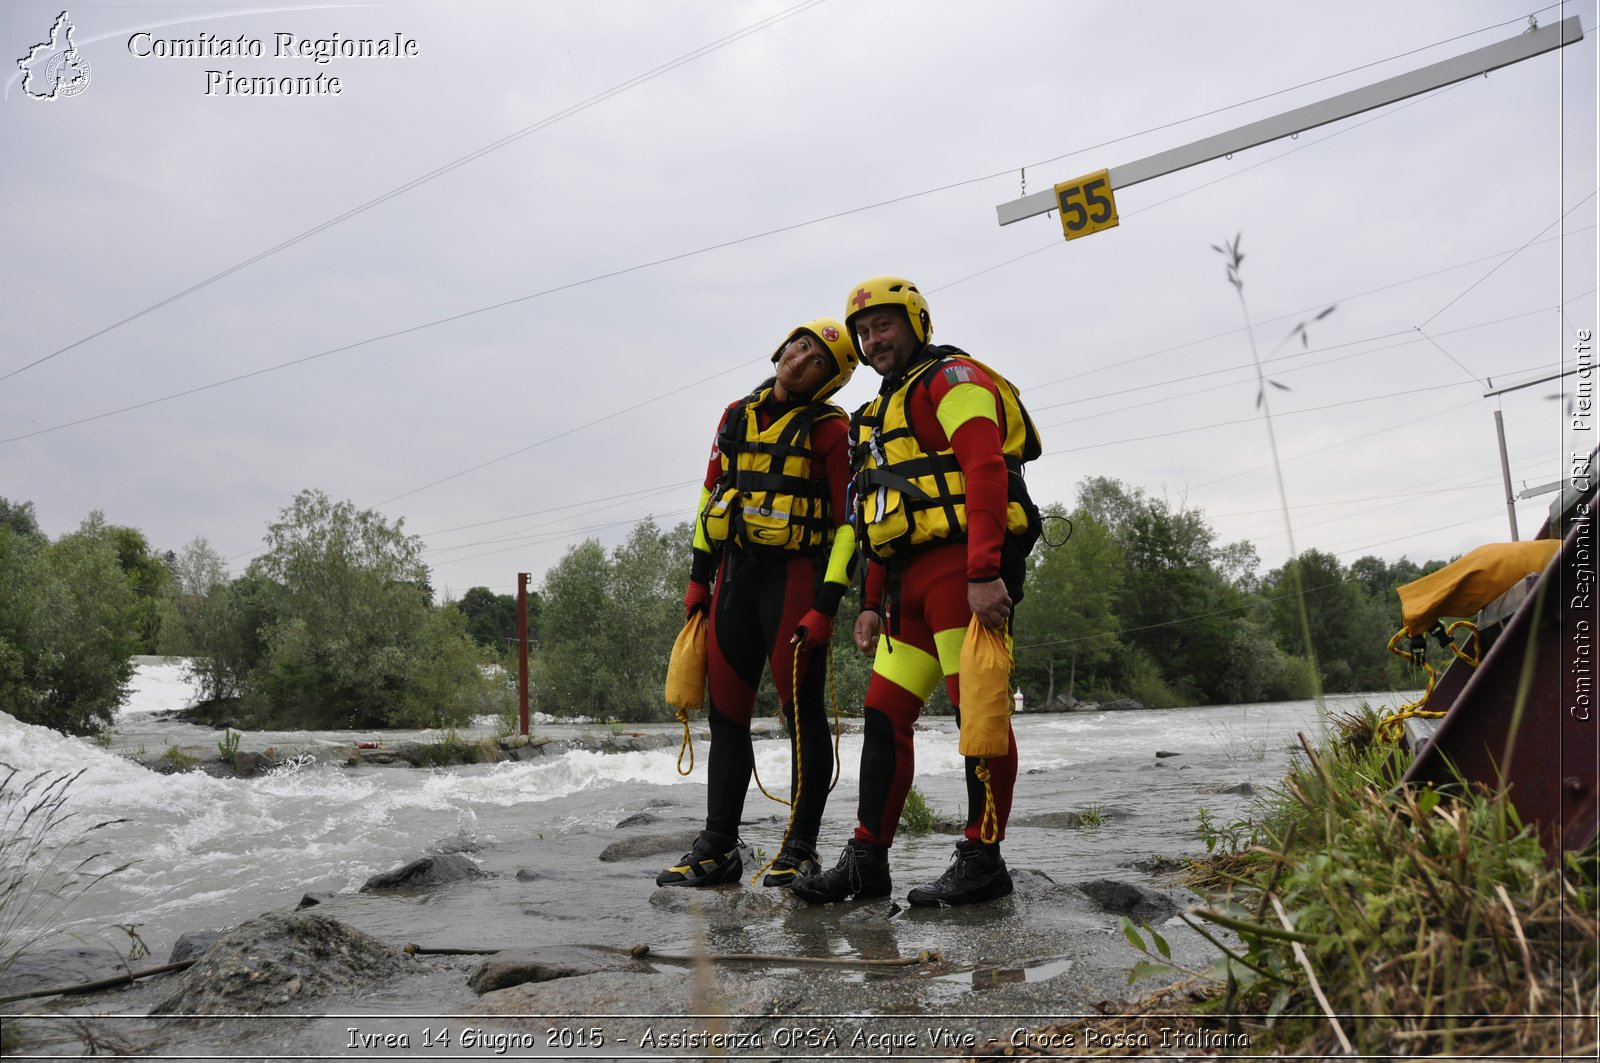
<point>1087,204</point>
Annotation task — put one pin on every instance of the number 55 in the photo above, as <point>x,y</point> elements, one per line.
<point>1087,205</point>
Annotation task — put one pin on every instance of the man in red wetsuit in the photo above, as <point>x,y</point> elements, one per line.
<point>932,512</point>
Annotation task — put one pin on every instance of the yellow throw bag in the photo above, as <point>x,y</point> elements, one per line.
<point>985,692</point>
<point>686,671</point>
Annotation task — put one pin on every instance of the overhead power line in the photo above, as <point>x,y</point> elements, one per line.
<point>632,83</point>
<point>543,123</point>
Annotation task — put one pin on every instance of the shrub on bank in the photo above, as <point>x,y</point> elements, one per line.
<point>1384,921</point>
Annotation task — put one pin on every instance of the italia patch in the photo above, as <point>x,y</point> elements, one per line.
<point>957,374</point>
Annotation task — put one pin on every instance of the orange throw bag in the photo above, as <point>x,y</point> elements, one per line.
<point>686,671</point>
<point>985,692</point>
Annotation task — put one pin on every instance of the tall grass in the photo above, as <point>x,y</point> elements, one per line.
<point>1235,258</point>
<point>1389,921</point>
<point>45,862</point>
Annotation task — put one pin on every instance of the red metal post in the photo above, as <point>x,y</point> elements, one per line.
<point>522,649</point>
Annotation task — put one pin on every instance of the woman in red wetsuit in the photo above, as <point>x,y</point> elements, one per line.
<point>772,557</point>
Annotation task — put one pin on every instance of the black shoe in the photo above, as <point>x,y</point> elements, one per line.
<point>707,864</point>
<point>976,874</point>
<point>797,860</point>
<point>861,874</point>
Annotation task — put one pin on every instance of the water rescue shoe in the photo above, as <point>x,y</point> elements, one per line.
<point>976,873</point>
<point>711,862</point>
<point>862,874</point>
<point>798,859</point>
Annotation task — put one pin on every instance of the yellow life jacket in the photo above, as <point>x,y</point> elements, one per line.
<point>906,498</point>
<point>766,497</point>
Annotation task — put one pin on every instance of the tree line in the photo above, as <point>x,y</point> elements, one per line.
<point>335,624</point>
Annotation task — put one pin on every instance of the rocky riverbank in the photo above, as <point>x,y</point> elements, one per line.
<point>226,758</point>
<point>1050,952</point>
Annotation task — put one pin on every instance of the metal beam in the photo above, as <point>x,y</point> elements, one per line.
<point>1493,391</point>
<point>1542,489</point>
<point>1492,57</point>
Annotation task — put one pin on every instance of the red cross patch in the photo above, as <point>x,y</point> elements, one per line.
<point>830,333</point>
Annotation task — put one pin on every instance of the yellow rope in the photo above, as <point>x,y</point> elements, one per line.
<point>799,775</point>
<point>1390,728</point>
<point>1476,643</point>
<point>833,691</point>
<point>688,744</point>
<point>989,825</point>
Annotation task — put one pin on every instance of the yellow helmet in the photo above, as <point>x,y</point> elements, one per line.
<point>831,335</point>
<point>888,291</point>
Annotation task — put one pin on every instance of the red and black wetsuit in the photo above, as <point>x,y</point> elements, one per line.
<point>922,594</point>
<point>759,599</point>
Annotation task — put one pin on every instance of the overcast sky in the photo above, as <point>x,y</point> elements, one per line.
<point>501,288</point>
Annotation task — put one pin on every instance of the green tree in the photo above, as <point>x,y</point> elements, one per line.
<point>1347,626</point>
<point>146,572</point>
<point>20,518</point>
<point>1175,605</point>
<point>492,618</point>
<point>573,672</point>
<point>646,591</point>
<point>607,623</point>
<point>231,636</point>
<point>198,571</point>
<point>333,626</point>
<point>66,629</point>
<point>1067,624</point>
<point>1380,582</point>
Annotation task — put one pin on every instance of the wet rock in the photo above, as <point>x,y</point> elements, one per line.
<point>1027,880</point>
<point>1162,754</point>
<point>1127,898</point>
<point>49,968</point>
<point>193,945</point>
<point>505,969</point>
<point>311,900</point>
<point>731,904</point>
<point>626,742</point>
<point>678,1002</point>
<point>1121,705</point>
<point>1242,788</point>
<point>638,819</point>
<point>280,962</point>
<point>1157,864</point>
<point>425,872</point>
<point>649,845</point>
<point>1060,820</point>
<point>456,843</point>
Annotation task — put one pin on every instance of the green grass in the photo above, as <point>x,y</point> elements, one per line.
<point>916,817</point>
<point>179,759</point>
<point>1355,915</point>
<point>45,862</point>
